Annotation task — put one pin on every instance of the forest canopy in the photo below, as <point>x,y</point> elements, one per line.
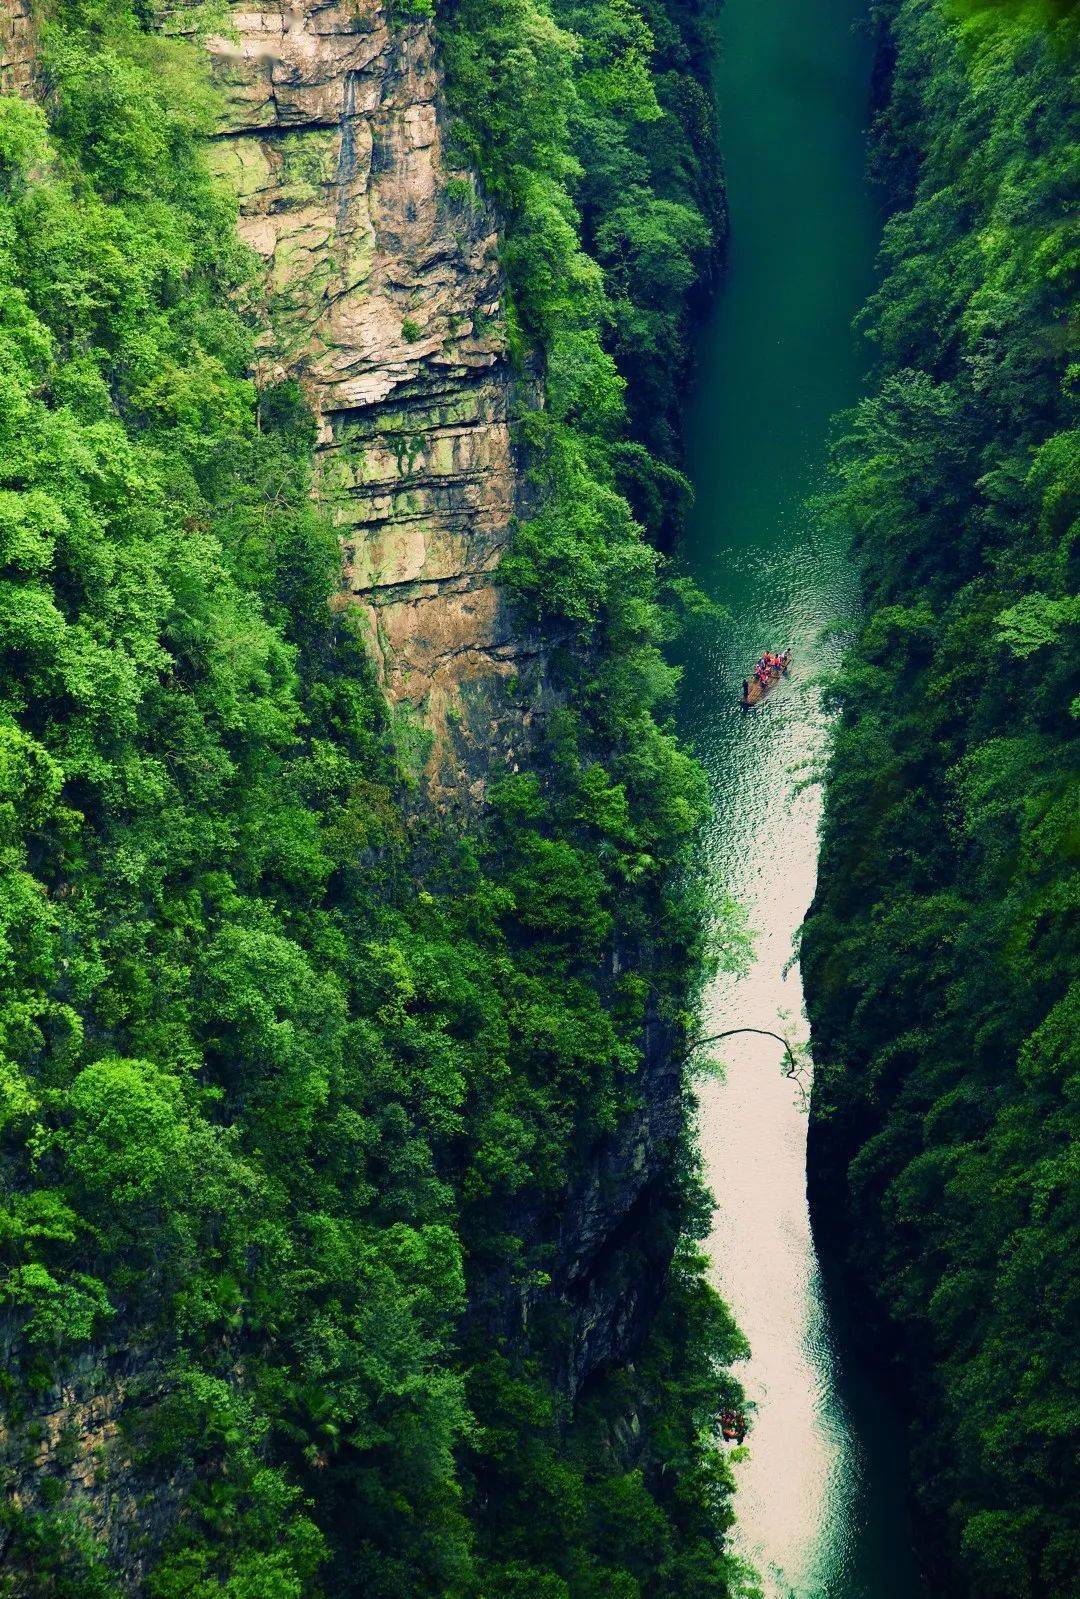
<point>295,1083</point>
<point>943,951</point>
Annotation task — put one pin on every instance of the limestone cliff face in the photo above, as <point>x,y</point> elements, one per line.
<point>83,1432</point>
<point>16,47</point>
<point>384,297</point>
<point>612,1256</point>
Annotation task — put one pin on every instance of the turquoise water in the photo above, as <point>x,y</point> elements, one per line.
<point>821,1491</point>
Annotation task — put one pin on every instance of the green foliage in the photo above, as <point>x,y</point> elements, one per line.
<point>296,1089</point>
<point>942,952</point>
<point>595,137</point>
<point>591,132</point>
<point>568,1515</point>
<point>406,11</point>
<point>213,1146</point>
<point>66,1560</point>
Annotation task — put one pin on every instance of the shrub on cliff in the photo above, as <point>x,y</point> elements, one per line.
<point>941,954</point>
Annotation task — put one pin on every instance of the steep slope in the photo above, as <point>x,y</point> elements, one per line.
<point>384,289</point>
<point>347,1180</point>
<point>941,955</point>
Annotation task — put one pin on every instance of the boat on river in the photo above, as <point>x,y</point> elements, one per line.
<point>733,1426</point>
<point>753,690</point>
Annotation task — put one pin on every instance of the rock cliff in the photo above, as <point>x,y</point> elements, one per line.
<point>384,293</point>
<point>16,47</point>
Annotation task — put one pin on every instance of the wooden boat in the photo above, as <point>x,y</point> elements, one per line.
<point>756,691</point>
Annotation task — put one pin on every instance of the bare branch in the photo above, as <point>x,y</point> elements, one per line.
<point>793,1068</point>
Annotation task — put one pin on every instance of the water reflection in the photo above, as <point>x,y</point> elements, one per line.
<point>820,1502</point>
<point>798,1489</point>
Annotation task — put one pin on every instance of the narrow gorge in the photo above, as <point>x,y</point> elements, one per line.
<point>821,1496</point>
<point>416,418</point>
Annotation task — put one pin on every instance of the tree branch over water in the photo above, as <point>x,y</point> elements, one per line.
<point>793,1068</point>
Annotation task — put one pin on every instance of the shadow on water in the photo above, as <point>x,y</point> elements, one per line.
<point>821,1491</point>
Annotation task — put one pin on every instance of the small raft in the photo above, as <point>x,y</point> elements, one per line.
<point>757,691</point>
<point>733,1427</point>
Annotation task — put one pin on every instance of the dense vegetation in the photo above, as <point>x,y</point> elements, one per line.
<point>597,141</point>
<point>943,952</point>
<point>295,1088</point>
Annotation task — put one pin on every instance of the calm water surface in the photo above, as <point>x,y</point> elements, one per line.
<point>821,1494</point>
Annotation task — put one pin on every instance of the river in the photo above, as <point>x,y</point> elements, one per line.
<point>821,1492</point>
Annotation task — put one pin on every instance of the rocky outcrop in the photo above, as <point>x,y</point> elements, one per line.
<point>384,296</point>
<point>16,47</point>
<point>618,1227</point>
<point>78,1447</point>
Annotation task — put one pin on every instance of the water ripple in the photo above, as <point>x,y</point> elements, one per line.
<point>820,1496</point>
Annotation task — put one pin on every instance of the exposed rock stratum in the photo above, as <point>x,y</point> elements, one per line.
<point>385,298</point>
